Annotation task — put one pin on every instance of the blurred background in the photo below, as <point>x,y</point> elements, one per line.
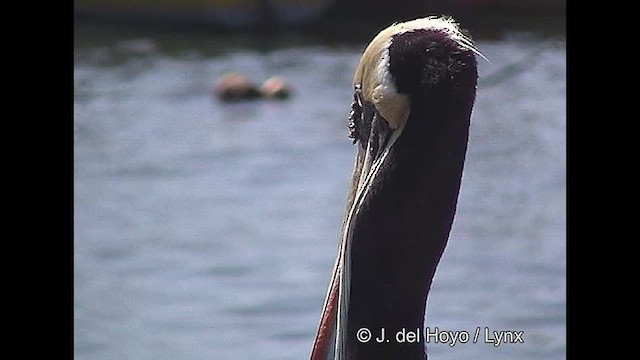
<point>207,229</point>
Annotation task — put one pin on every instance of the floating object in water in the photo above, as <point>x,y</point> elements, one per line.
<point>275,88</point>
<point>234,87</point>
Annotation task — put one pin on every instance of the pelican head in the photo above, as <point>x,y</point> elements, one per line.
<point>413,93</point>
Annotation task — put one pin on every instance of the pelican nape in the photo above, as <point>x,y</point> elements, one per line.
<point>414,90</point>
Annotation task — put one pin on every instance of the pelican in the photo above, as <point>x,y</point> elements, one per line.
<point>414,90</point>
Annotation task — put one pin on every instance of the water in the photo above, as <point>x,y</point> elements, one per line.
<point>208,231</point>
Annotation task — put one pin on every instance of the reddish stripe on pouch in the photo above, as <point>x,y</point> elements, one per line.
<point>321,344</point>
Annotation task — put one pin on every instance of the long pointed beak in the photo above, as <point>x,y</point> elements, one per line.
<point>331,336</point>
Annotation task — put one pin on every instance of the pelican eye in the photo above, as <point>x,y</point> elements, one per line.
<point>358,130</point>
<point>355,117</point>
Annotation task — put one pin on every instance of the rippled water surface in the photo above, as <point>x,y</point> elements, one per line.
<point>206,230</point>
